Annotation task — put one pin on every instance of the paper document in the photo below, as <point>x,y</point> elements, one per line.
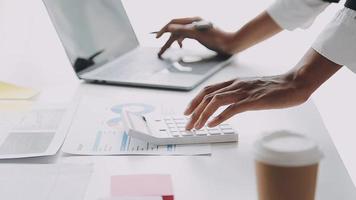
<point>97,129</point>
<point>10,91</point>
<point>44,182</point>
<point>39,132</point>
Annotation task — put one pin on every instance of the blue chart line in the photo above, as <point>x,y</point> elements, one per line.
<point>171,147</point>
<point>124,142</point>
<point>97,141</point>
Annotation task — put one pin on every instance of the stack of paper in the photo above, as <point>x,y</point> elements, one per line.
<point>44,182</point>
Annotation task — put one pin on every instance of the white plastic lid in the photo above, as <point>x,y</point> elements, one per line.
<point>284,148</point>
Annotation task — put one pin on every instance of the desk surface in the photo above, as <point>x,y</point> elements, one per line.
<point>33,56</point>
<point>229,171</point>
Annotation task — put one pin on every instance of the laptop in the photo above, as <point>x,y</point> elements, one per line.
<point>103,48</point>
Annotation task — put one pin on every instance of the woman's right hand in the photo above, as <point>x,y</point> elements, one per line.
<point>213,38</point>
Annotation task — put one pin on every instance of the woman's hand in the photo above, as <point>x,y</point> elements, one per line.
<point>257,30</point>
<point>213,38</point>
<point>243,94</point>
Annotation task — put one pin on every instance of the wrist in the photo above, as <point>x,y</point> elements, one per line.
<point>226,43</point>
<point>300,83</point>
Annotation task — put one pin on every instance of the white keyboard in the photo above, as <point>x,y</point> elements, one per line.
<point>171,130</point>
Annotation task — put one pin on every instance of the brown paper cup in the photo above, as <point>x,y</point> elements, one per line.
<point>286,166</point>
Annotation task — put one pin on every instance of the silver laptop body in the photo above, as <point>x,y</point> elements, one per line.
<point>102,47</point>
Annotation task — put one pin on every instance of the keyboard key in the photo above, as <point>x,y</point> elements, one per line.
<point>163,130</point>
<point>181,129</point>
<point>214,132</point>
<point>225,126</point>
<point>179,118</point>
<point>168,120</point>
<point>228,131</point>
<point>213,129</point>
<point>187,133</point>
<point>173,129</point>
<point>201,132</point>
<point>171,125</point>
<point>181,125</point>
<point>175,134</point>
<point>180,122</point>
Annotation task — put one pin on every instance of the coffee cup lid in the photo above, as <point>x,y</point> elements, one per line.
<point>284,148</point>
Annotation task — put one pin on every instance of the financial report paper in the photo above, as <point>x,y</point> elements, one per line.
<point>38,132</point>
<point>97,129</point>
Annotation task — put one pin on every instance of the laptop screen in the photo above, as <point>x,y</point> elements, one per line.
<point>93,32</point>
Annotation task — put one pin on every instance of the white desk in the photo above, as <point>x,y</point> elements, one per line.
<point>229,172</point>
<point>33,56</point>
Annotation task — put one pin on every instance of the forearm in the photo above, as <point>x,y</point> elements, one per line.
<point>257,30</point>
<point>311,72</point>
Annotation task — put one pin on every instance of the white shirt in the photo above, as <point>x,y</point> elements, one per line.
<point>337,42</point>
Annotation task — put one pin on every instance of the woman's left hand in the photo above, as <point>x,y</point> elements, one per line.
<point>240,95</point>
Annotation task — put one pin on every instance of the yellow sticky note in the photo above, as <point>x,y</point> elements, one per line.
<point>10,91</point>
<point>15,106</point>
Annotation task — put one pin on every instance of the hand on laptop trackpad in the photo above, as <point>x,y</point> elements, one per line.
<point>179,62</point>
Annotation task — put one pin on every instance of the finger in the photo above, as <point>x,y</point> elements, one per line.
<point>207,98</point>
<point>207,90</point>
<point>230,111</point>
<point>218,101</point>
<point>178,31</point>
<point>182,30</point>
<point>182,21</point>
<point>167,45</point>
<point>180,42</point>
<point>202,105</point>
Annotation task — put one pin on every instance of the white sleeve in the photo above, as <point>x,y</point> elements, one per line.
<point>337,42</point>
<point>292,14</point>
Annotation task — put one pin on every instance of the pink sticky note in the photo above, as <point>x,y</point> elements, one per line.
<point>142,185</point>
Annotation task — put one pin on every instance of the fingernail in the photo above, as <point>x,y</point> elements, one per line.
<point>211,123</point>
<point>186,112</point>
<point>189,125</point>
